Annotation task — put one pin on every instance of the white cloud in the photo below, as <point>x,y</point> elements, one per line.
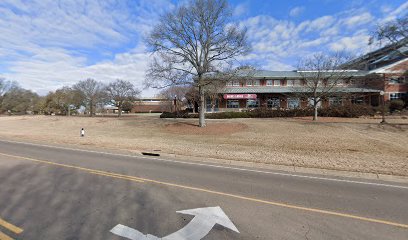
<point>351,44</point>
<point>240,9</point>
<point>296,11</point>
<point>358,19</point>
<point>53,69</point>
<point>320,23</point>
<point>47,44</point>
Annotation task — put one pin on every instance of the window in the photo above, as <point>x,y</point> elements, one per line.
<point>335,101</point>
<point>252,103</point>
<point>293,103</point>
<point>273,102</point>
<point>268,82</point>
<point>276,83</point>
<point>357,100</point>
<point>290,83</point>
<point>235,83</point>
<point>395,96</point>
<point>229,84</point>
<point>257,83</point>
<point>210,102</point>
<point>232,104</point>
<point>249,82</point>
<point>397,80</point>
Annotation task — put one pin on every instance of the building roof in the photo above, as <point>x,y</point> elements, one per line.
<point>263,74</point>
<point>381,57</point>
<point>265,89</point>
<point>397,67</point>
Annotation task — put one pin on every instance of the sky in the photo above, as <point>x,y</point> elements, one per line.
<point>47,44</point>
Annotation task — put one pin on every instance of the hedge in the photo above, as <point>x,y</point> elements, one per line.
<point>351,111</point>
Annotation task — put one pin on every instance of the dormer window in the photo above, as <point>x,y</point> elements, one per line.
<point>276,82</point>
<point>235,83</point>
<point>257,82</point>
<point>249,83</point>
<point>269,82</point>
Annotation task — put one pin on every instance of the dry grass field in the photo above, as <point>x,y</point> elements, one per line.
<point>360,145</point>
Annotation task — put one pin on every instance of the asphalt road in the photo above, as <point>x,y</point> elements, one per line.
<point>58,193</point>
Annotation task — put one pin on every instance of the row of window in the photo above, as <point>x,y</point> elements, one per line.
<point>398,80</point>
<point>255,83</point>
<point>395,96</point>
<point>274,102</point>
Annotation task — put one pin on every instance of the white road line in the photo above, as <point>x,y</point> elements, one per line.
<point>215,166</point>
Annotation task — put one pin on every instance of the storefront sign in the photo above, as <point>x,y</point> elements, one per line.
<point>240,96</point>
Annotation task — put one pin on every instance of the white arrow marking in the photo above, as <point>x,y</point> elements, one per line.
<point>202,223</point>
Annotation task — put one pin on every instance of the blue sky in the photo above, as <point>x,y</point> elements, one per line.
<point>46,44</point>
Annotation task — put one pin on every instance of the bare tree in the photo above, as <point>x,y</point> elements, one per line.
<point>212,91</point>
<point>392,32</point>
<point>92,93</point>
<point>321,78</point>
<point>191,41</point>
<point>121,91</point>
<point>177,93</point>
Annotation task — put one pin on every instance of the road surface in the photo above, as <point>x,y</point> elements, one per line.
<point>59,193</point>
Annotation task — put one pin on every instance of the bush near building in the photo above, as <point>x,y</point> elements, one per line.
<point>352,111</point>
<point>396,105</point>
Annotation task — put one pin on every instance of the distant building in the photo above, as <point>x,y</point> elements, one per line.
<point>151,105</point>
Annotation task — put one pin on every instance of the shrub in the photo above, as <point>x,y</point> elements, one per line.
<point>396,105</point>
<point>350,111</point>
<point>179,114</point>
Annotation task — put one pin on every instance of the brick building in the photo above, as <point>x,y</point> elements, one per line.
<point>151,105</point>
<point>382,70</point>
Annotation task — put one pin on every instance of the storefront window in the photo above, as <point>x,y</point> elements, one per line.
<point>232,104</point>
<point>273,102</point>
<point>252,103</point>
<point>293,103</point>
<point>210,102</point>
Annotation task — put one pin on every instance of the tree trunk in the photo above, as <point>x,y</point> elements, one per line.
<point>91,109</point>
<point>315,112</point>
<point>201,122</point>
<point>69,111</point>
<point>119,110</point>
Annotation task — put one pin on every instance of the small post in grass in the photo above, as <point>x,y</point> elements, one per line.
<point>383,107</point>
<point>82,132</point>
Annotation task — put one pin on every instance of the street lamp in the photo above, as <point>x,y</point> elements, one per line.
<point>383,107</point>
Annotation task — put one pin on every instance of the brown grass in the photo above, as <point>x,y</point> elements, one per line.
<point>360,145</point>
